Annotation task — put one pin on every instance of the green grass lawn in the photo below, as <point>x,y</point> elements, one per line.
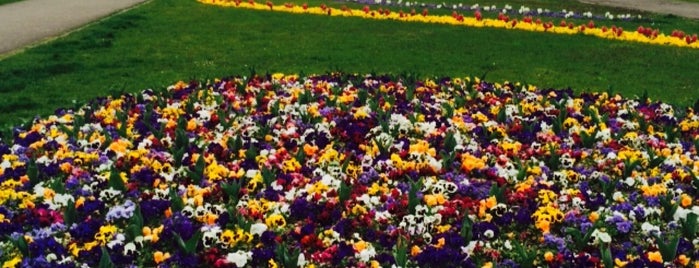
<point>164,41</point>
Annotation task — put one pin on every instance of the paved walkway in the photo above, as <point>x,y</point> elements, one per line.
<point>29,22</point>
<point>678,8</point>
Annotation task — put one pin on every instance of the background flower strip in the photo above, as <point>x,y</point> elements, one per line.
<point>613,33</point>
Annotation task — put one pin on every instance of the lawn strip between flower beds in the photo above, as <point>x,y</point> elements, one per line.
<point>642,35</point>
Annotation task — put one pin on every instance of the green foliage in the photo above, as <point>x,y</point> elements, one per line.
<point>400,252</point>
<point>105,260</point>
<point>498,192</point>
<point>523,255</point>
<point>344,192</point>
<point>668,246</point>
<point>115,180</point>
<point>413,200</point>
<point>176,202</point>
<point>606,254</point>
<point>689,226</point>
<point>189,247</point>
<point>467,229</point>
<point>232,189</point>
<point>286,256</point>
<point>135,226</point>
<point>669,206</point>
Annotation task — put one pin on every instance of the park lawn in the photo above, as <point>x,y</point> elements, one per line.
<point>165,41</point>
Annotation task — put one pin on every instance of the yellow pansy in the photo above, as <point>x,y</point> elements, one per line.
<point>275,220</point>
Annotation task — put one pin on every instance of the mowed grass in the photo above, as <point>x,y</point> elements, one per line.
<point>164,41</point>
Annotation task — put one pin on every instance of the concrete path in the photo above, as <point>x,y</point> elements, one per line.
<point>678,8</point>
<point>30,22</point>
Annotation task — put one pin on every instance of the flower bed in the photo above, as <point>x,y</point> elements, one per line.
<point>507,9</point>
<point>642,34</point>
<point>357,171</point>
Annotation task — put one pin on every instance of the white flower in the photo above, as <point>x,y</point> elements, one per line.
<point>301,261</point>
<point>366,254</point>
<point>109,194</point>
<point>648,228</point>
<point>508,245</point>
<point>258,228</point>
<point>130,249</point>
<point>600,236</point>
<point>118,240</point>
<point>240,258</point>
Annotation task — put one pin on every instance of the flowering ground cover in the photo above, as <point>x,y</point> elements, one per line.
<point>642,34</point>
<point>358,171</point>
<point>116,55</point>
<point>505,9</point>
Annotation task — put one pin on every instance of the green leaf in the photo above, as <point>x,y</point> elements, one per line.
<point>689,226</point>
<point>400,253</point>
<point>668,249</point>
<point>363,95</point>
<point>251,153</point>
<point>115,180</point>
<point>409,94</point>
<point>69,215</point>
<point>190,246</point>
<point>301,156</point>
<point>382,148</point>
<point>413,200</point>
<point>105,260</point>
<point>498,192</point>
<point>449,142</point>
<point>32,172</point>
<point>268,176</point>
<point>21,244</point>
<point>176,202</point>
<point>57,185</point>
<point>135,227</point>
<point>502,115</point>
<point>606,255</point>
<point>669,207</point>
<point>344,192</point>
<point>199,168</point>
<point>524,257</point>
<point>447,110</point>
<point>232,189</point>
<point>235,145</point>
<point>467,229</point>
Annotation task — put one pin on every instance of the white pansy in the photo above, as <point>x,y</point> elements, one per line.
<point>301,262</point>
<point>649,228</point>
<point>600,237</point>
<point>367,253</point>
<point>239,258</point>
<point>258,228</point>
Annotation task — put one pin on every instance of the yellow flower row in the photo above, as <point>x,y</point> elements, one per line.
<point>614,33</point>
